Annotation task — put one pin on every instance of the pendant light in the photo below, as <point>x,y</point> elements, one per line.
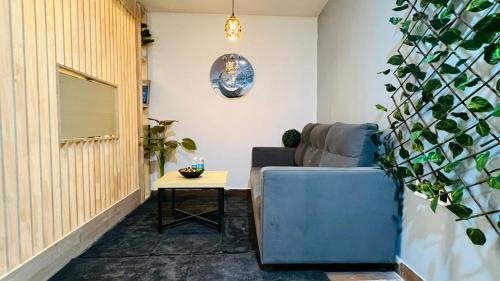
<point>232,27</point>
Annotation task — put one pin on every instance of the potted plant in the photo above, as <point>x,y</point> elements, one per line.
<point>156,142</point>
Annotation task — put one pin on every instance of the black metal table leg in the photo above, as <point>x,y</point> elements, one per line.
<point>221,208</point>
<point>160,223</point>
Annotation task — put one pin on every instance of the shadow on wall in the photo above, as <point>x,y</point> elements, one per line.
<point>449,254</point>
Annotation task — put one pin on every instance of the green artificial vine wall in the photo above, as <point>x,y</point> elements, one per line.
<point>443,140</point>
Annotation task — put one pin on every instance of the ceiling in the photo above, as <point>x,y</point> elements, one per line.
<point>296,8</point>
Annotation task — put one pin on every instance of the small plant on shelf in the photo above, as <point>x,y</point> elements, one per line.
<point>156,142</point>
<point>146,37</point>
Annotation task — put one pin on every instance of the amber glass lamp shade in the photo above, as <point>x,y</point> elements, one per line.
<point>232,28</point>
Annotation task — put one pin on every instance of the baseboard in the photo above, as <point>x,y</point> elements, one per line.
<point>49,261</point>
<point>406,272</point>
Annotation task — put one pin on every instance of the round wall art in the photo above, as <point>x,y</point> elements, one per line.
<point>231,75</point>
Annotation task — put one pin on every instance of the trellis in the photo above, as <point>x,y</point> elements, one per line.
<point>445,105</point>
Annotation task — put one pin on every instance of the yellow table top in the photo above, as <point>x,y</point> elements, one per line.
<point>209,179</point>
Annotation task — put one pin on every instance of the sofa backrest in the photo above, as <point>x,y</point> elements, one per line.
<point>337,145</point>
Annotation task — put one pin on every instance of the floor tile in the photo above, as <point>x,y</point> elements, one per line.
<point>242,267</point>
<point>364,276</point>
<point>173,243</point>
<point>238,235</point>
<point>172,268</point>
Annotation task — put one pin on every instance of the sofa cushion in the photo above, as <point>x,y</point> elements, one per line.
<point>304,143</point>
<point>314,150</point>
<point>349,145</point>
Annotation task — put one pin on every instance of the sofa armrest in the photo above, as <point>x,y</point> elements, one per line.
<point>273,156</point>
<point>339,215</point>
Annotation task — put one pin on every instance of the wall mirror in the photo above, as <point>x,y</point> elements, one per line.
<point>87,107</point>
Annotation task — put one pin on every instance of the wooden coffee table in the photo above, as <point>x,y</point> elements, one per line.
<point>208,180</point>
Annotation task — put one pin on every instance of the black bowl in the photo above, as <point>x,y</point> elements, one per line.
<point>191,174</point>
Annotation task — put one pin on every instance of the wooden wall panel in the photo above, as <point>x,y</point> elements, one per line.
<point>47,188</point>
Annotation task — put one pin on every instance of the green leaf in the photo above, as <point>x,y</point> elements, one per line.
<point>447,125</point>
<point>460,210</point>
<point>429,39</point>
<point>461,62</point>
<point>396,60</point>
<point>482,128</point>
<point>400,2</point>
<point>172,144</point>
<point>436,56</point>
<point>188,144</point>
<point>496,112</point>
<point>434,203</point>
<point>418,169</point>
<point>385,72</point>
<point>476,236</point>
<point>461,82</point>
<point>397,115</point>
<point>415,135</point>
<point>457,195</point>
<point>461,79</point>
<point>390,88</point>
<point>456,149</point>
<point>157,129</point>
<point>484,37</point>
<point>406,108</point>
<point>479,104</point>
<point>492,53</point>
<point>410,87</point>
<point>441,177</point>
<point>405,26</point>
<point>478,5</point>
<point>450,36</point>
<point>429,136</point>
<point>490,23</point>
<point>381,107</point>
<point>482,160</point>
<point>442,107</point>
<point>167,123</point>
<point>431,85</point>
<point>452,166</point>
<point>400,8</point>
<point>448,69</point>
<point>436,157</point>
<point>470,45</point>
<point>417,145</point>
<point>421,159</point>
<point>461,115</point>
<point>395,20</point>
<point>403,153</point>
<point>498,85</point>
<point>494,182</point>
<point>464,139</point>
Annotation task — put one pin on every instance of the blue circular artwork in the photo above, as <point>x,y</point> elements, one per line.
<point>231,75</point>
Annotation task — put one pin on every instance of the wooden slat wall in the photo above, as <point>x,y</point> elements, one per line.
<point>48,189</point>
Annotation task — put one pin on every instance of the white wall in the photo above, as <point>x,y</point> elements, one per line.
<point>282,51</point>
<point>354,41</point>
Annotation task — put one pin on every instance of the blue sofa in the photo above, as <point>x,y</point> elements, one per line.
<point>324,202</point>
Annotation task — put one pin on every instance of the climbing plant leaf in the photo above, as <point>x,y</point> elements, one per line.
<point>482,128</point>
<point>396,60</point>
<point>476,236</point>
<point>478,5</point>
<point>479,104</point>
<point>482,160</point>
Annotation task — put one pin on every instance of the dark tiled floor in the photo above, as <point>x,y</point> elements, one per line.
<point>134,250</point>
